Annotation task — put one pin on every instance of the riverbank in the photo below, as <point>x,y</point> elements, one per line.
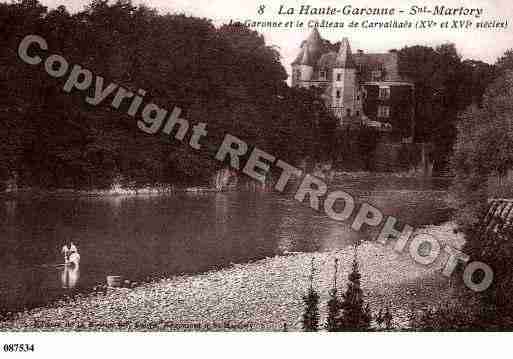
<point>119,192</point>
<point>350,180</point>
<point>263,295</point>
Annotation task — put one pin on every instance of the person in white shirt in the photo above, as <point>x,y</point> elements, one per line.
<point>70,252</point>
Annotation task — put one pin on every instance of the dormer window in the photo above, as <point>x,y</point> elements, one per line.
<point>323,74</point>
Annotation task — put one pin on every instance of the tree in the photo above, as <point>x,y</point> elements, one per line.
<point>505,62</point>
<point>311,313</point>
<point>387,318</point>
<point>354,316</point>
<point>334,305</point>
<point>484,148</point>
<point>444,86</point>
<point>226,77</point>
<point>475,76</point>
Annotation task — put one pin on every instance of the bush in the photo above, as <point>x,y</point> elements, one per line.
<point>311,313</point>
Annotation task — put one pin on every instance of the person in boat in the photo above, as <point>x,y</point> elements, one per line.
<point>70,252</point>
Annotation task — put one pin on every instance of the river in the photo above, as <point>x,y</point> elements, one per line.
<point>142,237</point>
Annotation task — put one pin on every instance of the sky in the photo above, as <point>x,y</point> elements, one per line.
<point>475,44</point>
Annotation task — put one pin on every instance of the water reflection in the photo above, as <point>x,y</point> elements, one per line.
<point>10,211</point>
<point>221,215</point>
<point>70,275</point>
<point>116,203</point>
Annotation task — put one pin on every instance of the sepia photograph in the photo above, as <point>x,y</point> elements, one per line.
<point>171,166</point>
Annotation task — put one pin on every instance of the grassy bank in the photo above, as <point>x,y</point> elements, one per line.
<point>263,295</point>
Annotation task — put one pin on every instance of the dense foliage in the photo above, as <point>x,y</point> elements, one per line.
<point>444,85</point>
<point>484,147</point>
<point>484,150</point>
<point>227,77</point>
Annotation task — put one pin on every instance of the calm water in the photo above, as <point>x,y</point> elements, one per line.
<point>141,237</point>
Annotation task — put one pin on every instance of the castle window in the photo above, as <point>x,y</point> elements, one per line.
<point>384,93</point>
<point>339,77</point>
<point>323,74</point>
<point>338,93</point>
<point>383,111</point>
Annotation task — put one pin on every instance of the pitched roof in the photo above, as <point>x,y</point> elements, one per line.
<point>311,49</point>
<point>386,61</point>
<point>344,56</point>
<point>314,40</point>
<point>304,57</point>
<point>315,51</point>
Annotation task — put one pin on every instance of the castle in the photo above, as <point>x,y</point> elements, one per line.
<point>360,89</point>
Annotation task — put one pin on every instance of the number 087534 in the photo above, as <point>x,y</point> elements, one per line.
<point>18,347</point>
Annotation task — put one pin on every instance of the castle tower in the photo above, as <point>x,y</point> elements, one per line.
<point>315,43</point>
<point>345,92</point>
<point>363,89</point>
<point>303,65</point>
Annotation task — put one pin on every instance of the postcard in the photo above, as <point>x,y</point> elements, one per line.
<point>174,166</point>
